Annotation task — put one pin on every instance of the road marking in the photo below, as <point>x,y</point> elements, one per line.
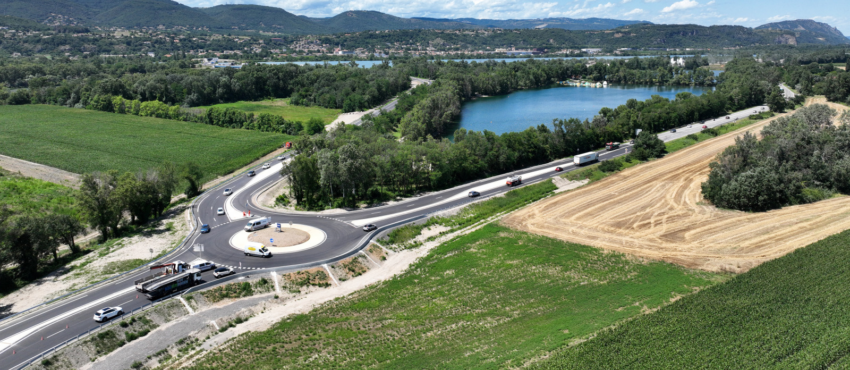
<point>439,197</point>
<point>214,219</point>
<point>48,337</point>
<point>214,324</point>
<point>121,304</point>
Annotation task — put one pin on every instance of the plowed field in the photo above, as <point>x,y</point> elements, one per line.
<point>656,210</point>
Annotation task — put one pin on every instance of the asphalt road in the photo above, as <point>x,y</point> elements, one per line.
<point>28,335</point>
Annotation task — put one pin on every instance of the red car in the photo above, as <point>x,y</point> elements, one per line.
<point>558,169</point>
<point>704,126</point>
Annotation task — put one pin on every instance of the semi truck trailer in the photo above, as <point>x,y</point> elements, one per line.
<point>583,159</point>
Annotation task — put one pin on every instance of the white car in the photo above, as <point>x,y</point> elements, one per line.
<point>228,191</point>
<point>280,157</point>
<point>107,313</point>
<point>220,211</point>
<point>266,166</point>
<point>222,271</point>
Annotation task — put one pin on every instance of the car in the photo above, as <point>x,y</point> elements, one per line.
<point>632,141</point>
<point>369,227</point>
<point>689,126</point>
<point>673,130</point>
<point>266,166</point>
<point>220,211</point>
<point>727,117</point>
<point>251,173</point>
<point>205,228</point>
<point>228,191</point>
<point>558,169</point>
<point>280,157</point>
<point>203,265</point>
<point>704,126</point>
<point>107,313</point>
<point>222,271</point>
<point>473,194</point>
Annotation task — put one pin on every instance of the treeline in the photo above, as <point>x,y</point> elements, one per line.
<point>354,164</point>
<point>800,159</point>
<point>820,79</point>
<point>330,86</point>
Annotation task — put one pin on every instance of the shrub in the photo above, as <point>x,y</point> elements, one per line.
<point>281,201</point>
<point>610,165</point>
<point>693,137</point>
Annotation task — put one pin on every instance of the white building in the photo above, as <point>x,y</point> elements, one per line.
<point>677,62</point>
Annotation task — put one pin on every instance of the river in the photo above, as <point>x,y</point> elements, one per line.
<point>522,109</point>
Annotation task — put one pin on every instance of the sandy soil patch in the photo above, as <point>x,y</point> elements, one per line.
<point>112,259</point>
<point>40,171</point>
<point>267,198</point>
<point>656,210</point>
<point>565,184</point>
<point>287,238</point>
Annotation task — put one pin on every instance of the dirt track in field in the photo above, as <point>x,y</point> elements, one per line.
<point>656,210</point>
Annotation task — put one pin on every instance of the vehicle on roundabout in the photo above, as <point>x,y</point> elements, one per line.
<point>107,313</point>
<point>202,265</point>
<point>205,228</point>
<point>370,227</point>
<point>256,249</point>
<point>220,211</point>
<point>223,271</point>
<point>228,191</point>
<point>473,194</point>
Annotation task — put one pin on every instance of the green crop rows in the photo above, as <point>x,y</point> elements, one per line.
<point>789,313</point>
<point>495,298</point>
<point>80,141</point>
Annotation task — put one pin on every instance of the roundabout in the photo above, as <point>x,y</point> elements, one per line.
<point>288,239</point>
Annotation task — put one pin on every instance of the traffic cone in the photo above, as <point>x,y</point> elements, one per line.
<point>42,337</point>
<point>243,214</point>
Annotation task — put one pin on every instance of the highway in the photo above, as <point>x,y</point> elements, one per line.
<point>27,335</point>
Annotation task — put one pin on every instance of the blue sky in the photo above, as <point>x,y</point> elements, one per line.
<point>749,13</point>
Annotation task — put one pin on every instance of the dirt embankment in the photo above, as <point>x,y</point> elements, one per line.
<point>656,210</point>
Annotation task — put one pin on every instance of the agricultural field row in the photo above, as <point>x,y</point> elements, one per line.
<point>81,141</point>
<point>281,107</point>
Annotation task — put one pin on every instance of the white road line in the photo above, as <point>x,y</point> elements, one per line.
<point>121,304</point>
<point>48,337</point>
<point>214,219</point>
<point>214,324</point>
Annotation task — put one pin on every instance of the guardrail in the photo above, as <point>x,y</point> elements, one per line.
<point>111,323</point>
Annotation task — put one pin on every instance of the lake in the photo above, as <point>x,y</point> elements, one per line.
<point>522,109</point>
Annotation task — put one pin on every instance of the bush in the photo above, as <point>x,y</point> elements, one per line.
<point>610,165</point>
<point>693,137</point>
<point>711,131</point>
<point>281,201</point>
<point>648,146</point>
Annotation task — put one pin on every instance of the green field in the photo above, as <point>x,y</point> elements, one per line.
<point>28,195</point>
<point>496,298</point>
<point>281,107</point>
<point>81,141</point>
<point>789,313</point>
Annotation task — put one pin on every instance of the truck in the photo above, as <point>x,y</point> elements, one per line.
<point>583,159</point>
<point>167,270</point>
<point>513,180</point>
<point>288,145</point>
<point>173,283</point>
<point>612,146</point>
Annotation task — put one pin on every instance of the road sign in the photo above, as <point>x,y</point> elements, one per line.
<point>271,241</point>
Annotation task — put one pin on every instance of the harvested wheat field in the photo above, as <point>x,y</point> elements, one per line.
<point>656,210</point>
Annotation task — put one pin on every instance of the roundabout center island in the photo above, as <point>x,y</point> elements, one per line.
<point>287,239</point>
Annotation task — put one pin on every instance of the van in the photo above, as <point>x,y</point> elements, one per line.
<point>257,224</point>
<point>256,249</point>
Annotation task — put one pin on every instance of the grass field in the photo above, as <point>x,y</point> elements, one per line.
<point>495,298</point>
<point>81,141</point>
<point>281,107</point>
<point>25,194</point>
<point>789,313</point>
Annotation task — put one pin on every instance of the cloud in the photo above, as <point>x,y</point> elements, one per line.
<point>777,18</point>
<point>709,3</point>
<point>650,1</point>
<point>740,20</point>
<point>626,1</point>
<point>634,11</point>
<point>681,5</point>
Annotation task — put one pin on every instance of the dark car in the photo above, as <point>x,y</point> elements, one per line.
<point>251,173</point>
<point>205,228</point>
<point>558,169</point>
<point>473,194</point>
<point>369,227</point>
<point>673,130</point>
<point>727,117</point>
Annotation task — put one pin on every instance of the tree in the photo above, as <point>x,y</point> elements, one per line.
<point>314,126</point>
<point>776,102</point>
<point>648,145</point>
<point>66,228</point>
<point>101,205</point>
<point>191,172</point>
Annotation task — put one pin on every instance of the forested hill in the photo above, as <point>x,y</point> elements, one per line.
<point>563,23</point>
<point>263,17</point>
<point>809,31</point>
<point>365,20</point>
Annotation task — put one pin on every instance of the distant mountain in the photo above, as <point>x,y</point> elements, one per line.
<point>21,24</point>
<point>808,31</point>
<point>45,10</point>
<point>367,20</point>
<point>258,17</point>
<point>563,23</point>
<point>152,13</point>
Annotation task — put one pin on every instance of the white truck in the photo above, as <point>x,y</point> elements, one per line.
<point>513,180</point>
<point>583,159</point>
<point>167,270</point>
<point>258,224</point>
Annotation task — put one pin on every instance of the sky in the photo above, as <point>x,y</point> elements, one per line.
<point>748,13</point>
